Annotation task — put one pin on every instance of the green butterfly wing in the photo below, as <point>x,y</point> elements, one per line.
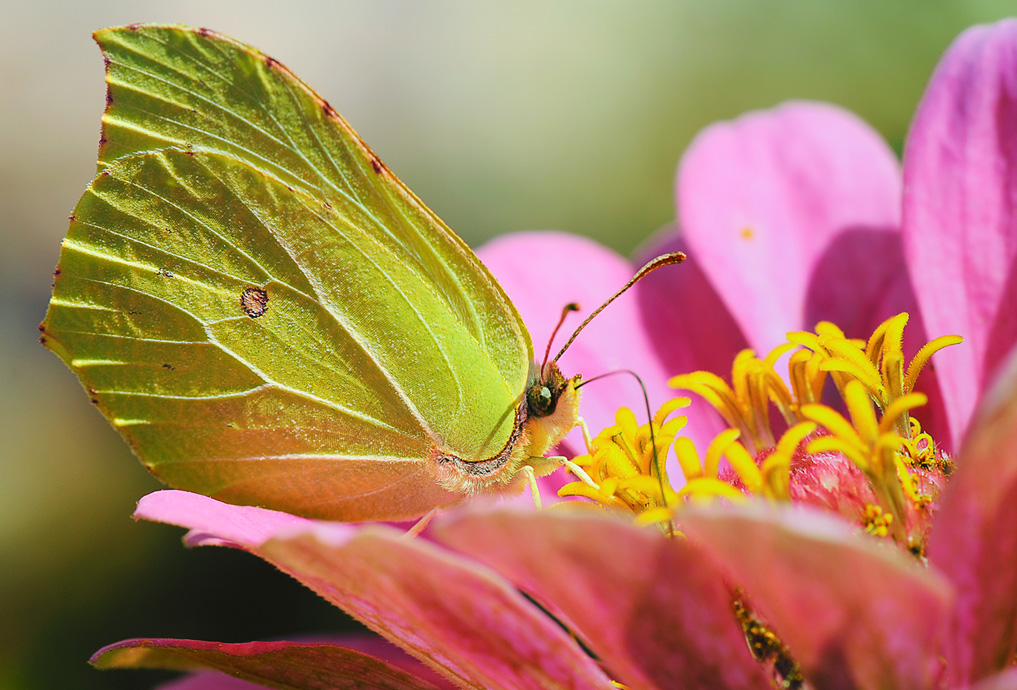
<point>260,307</point>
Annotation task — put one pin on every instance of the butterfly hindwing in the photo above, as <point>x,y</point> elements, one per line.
<point>326,395</point>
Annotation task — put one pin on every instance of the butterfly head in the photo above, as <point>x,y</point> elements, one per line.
<point>543,394</point>
<point>552,408</point>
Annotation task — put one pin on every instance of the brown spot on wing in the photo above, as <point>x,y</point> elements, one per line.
<point>254,302</point>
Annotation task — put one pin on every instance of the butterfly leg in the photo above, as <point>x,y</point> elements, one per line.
<point>587,439</point>
<point>530,477</point>
<point>575,469</point>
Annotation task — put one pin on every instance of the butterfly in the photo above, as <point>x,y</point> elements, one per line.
<point>269,316</point>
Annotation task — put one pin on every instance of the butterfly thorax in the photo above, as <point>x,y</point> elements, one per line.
<point>546,413</point>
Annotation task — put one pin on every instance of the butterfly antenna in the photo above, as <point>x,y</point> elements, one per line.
<point>570,307</point>
<point>662,260</point>
<point>649,415</point>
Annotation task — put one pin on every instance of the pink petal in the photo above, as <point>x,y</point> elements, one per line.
<point>393,655</point>
<point>652,608</point>
<point>368,644</point>
<point>974,536</point>
<point>209,680</point>
<point>444,609</point>
<point>794,215</point>
<point>454,615</point>
<point>854,612</point>
<point>275,664</point>
<point>1001,681</point>
<point>544,271</point>
<point>213,523</point>
<point>960,210</point>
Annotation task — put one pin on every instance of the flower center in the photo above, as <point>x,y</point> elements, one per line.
<point>865,457</point>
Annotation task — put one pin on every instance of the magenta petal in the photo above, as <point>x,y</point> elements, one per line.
<point>209,680</point>
<point>960,210</point>
<point>855,613</point>
<point>451,613</point>
<point>689,325</point>
<point>215,523</point>
<point>444,609</point>
<point>275,664</point>
<point>544,271</point>
<point>1001,681</point>
<point>393,655</point>
<point>651,608</point>
<point>974,537</point>
<point>794,214</point>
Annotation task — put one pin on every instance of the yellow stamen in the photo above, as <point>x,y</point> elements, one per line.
<point>717,447</point>
<point>688,458</point>
<point>655,516</point>
<point>900,407</point>
<point>705,488</point>
<point>922,357</point>
<point>776,467</point>
<point>744,466</point>
<point>835,422</point>
<point>745,403</point>
<point>669,408</point>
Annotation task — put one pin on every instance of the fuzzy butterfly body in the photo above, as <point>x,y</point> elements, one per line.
<point>269,316</point>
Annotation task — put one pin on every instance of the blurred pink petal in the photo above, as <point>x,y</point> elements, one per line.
<point>273,664</point>
<point>544,271</point>
<point>1001,681</point>
<point>854,612</point>
<point>444,609</point>
<point>652,608</point>
<point>974,537</point>
<point>960,210</point>
<point>794,215</point>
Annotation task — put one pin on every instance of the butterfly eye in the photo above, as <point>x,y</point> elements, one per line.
<point>541,400</point>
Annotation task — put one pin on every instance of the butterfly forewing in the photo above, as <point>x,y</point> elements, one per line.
<point>174,86</point>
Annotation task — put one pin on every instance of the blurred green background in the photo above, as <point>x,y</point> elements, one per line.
<point>502,116</point>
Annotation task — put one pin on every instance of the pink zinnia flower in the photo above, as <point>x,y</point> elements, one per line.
<point>790,217</point>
